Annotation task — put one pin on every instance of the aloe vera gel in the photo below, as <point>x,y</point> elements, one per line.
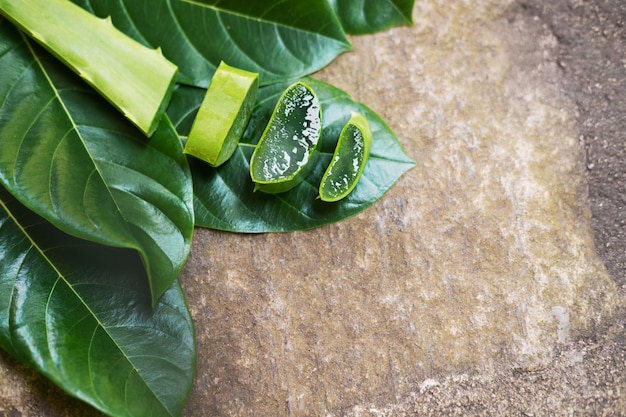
<point>348,161</point>
<point>282,158</point>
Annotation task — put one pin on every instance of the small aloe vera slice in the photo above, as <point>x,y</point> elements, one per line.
<point>223,115</point>
<point>135,79</point>
<point>281,159</point>
<point>348,161</point>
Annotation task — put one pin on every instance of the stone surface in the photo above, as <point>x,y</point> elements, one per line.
<point>591,51</point>
<point>480,260</point>
<point>472,288</point>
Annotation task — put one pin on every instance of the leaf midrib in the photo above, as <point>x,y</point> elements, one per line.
<point>131,244</point>
<point>259,20</point>
<point>400,12</point>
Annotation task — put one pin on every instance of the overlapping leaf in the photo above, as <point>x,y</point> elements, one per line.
<point>80,313</point>
<point>224,197</point>
<point>68,155</point>
<point>280,39</point>
<point>369,16</point>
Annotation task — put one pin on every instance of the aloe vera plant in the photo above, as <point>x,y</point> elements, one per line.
<point>135,79</point>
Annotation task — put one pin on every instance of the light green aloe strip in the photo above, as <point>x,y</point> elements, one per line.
<point>135,79</point>
<point>223,115</point>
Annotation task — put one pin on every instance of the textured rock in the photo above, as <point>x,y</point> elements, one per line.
<point>480,260</point>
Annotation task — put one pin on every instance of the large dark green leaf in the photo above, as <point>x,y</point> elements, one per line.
<point>68,155</point>
<point>224,197</point>
<point>81,314</point>
<point>280,39</point>
<point>369,16</point>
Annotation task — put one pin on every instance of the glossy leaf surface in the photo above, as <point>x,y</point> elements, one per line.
<point>360,17</point>
<point>279,39</point>
<point>224,197</point>
<point>81,314</point>
<point>67,154</point>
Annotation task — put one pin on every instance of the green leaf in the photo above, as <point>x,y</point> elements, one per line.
<point>360,17</point>
<point>67,155</point>
<point>224,198</point>
<point>80,313</point>
<point>279,39</point>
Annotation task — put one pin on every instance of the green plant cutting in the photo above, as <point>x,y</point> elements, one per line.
<point>109,60</point>
<point>282,158</point>
<point>99,198</point>
<point>348,161</point>
<point>223,115</point>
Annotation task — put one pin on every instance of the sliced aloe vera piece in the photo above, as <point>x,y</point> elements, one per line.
<point>348,161</point>
<point>135,79</point>
<point>223,115</point>
<point>281,159</point>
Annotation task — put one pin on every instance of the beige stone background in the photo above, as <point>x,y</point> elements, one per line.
<point>479,265</point>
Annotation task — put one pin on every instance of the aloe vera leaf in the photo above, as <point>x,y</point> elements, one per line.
<point>348,161</point>
<point>223,115</point>
<point>281,159</point>
<point>135,79</point>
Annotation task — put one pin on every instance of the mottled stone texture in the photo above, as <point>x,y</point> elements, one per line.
<point>480,260</point>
